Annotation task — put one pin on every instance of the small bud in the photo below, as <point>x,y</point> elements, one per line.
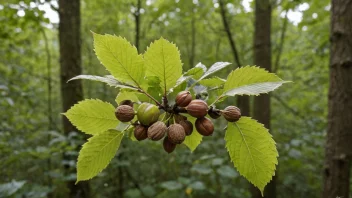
<point>124,113</point>
<point>188,126</point>
<point>147,114</point>
<point>140,132</point>
<point>183,98</point>
<point>231,113</point>
<point>197,108</point>
<point>204,126</point>
<point>176,133</point>
<point>214,113</point>
<point>168,146</point>
<point>126,102</point>
<point>157,131</point>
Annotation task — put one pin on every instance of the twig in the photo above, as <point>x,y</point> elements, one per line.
<point>281,44</point>
<point>151,97</point>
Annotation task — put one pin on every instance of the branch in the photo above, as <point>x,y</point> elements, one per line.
<point>228,31</point>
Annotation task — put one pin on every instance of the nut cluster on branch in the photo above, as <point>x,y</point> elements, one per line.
<point>172,126</point>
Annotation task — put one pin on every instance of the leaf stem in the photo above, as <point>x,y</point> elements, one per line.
<point>151,97</point>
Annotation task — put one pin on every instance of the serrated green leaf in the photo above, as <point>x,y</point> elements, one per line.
<point>196,72</point>
<point>120,58</point>
<point>126,95</point>
<point>92,116</point>
<point>192,141</point>
<point>214,68</point>
<point>162,59</point>
<point>252,151</point>
<point>109,80</point>
<point>212,82</point>
<point>251,80</point>
<point>97,153</point>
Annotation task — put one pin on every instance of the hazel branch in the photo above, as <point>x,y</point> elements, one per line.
<point>151,97</point>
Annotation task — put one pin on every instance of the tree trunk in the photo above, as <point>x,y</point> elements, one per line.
<point>338,151</point>
<point>262,58</point>
<point>242,101</point>
<point>137,18</point>
<point>70,66</point>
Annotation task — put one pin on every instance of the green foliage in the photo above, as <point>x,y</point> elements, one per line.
<point>92,116</point>
<point>251,81</point>
<point>163,60</point>
<point>252,151</point>
<point>97,153</point>
<point>120,58</point>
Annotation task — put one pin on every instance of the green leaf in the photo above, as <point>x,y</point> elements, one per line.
<point>197,71</point>
<point>195,138</point>
<point>214,68</point>
<point>97,153</point>
<point>252,151</point>
<point>162,59</point>
<point>109,80</point>
<point>251,80</point>
<point>126,95</point>
<point>212,82</point>
<point>92,116</point>
<point>120,58</point>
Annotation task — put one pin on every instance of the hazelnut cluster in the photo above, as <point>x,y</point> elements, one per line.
<point>173,131</point>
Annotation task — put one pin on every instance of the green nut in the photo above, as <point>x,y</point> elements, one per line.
<point>147,114</point>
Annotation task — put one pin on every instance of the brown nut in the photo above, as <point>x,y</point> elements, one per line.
<point>176,133</point>
<point>168,146</point>
<point>187,125</point>
<point>140,132</point>
<point>204,126</point>
<point>231,113</point>
<point>197,108</point>
<point>124,113</point>
<point>178,118</point>
<point>157,131</point>
<point>214,113</point>
<point>126,102</point>
<point>183,98</point>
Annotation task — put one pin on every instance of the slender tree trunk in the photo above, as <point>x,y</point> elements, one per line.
<point>70,66</point>
<point>242,101</point>
<point>262,58</point>
<point>338,151</point>
<point>193,33</point>
<point>137,18</point>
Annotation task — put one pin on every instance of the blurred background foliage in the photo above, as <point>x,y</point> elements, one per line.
<point>31,141</point>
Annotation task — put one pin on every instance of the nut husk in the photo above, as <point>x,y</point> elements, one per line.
<point>126,102</point>
<point>176,133</point>
<point>157,131</point>
<point>214,113</point>
<point>204,126</point>
<point>168,146</point>
<point>197,108</point>
<point>124,113</point>
<point>147,114</point>
<point>140,132</point>
<point>231,113</point>
<point>183,98</point>
<point>187,126</point>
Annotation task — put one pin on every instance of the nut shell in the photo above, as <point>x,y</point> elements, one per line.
<point>231,113</point>
<point>140,132</point>
<point>204,126</point>
<point>124,113</point>
<point>157,131</point>
<point>168,146</point>
<point>183,98</point>
<point>197,108</point>
<point>147,113</point>
<point>187,126</point>
<point>176,133</point>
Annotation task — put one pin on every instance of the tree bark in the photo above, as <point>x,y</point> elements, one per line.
<point>242,101</point>
<point>70,66</point>
<point>137,18</point>
<point>262,58</point>
<point>338,151</point>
